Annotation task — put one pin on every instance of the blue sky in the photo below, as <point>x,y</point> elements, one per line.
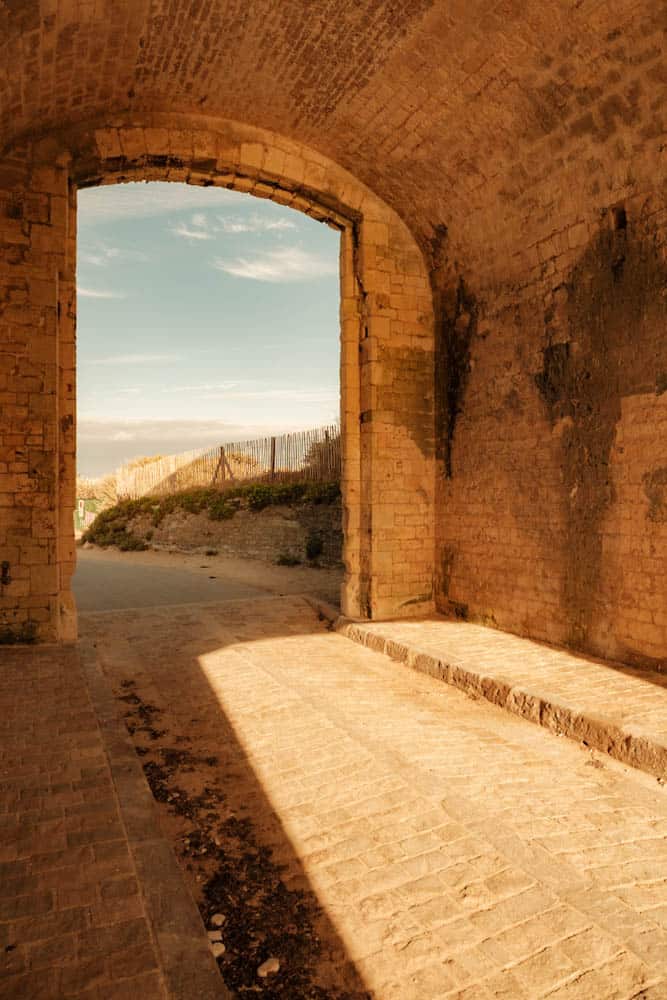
<point>204,316</point>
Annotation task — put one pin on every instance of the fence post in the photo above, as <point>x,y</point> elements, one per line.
<point>312,454</point>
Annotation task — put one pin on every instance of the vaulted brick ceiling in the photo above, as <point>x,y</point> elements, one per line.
<point>446,108</point>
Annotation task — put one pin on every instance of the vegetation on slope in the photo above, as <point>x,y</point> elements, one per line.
<point>110,527</point>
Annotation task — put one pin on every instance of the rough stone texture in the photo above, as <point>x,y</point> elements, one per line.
<point>81,911</point>
<point>386,346</point>
<point>36,393</point>
<point>551,368</point>
<point>458,851</point>
<point>265,534</point>
<point>520,146</point>
<point>603,705</point>
<point>553,520</point>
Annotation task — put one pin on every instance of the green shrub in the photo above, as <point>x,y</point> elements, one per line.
<point>130,543</point>
<point>220,509</point>
<point>261,495</point>
<point>110,526</point>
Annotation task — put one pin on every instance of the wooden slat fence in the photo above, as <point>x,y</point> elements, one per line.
<point>312,455</point>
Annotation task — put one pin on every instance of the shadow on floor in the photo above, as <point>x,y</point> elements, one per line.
<point>234,849</point>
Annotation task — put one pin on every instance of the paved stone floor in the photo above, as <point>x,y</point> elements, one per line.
<point>629,695</point>
<point>457,850</point>
<point>92,903</point>
<point>107,579</point>
<point>72,917</point>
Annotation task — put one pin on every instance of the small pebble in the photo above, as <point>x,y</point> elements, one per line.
<point>269,967</point>
<point>218,919</point>
<point>218,949</point>
<point>215,935</point>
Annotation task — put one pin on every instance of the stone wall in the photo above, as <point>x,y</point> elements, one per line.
<point>553,514</point>
<point>552,379</point>
<point>266,534</point>
<point>499,166</point>
<point>387,349</point>
<point>37,255</point>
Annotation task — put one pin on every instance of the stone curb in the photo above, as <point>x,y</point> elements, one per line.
<point>188,967</point>
<point>637,749</point>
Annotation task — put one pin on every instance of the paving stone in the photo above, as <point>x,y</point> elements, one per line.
<point>599,701</point>
<point>494,828</point>
<point>52,897</point>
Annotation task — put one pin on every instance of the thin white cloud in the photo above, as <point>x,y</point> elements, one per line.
<point>279,224</point>
<point>136,359</point>
<point>285,264</point>
<point>101,255</point>
<point>95,428</point>
<point>255,224</point>
<point>116,202</point>
<point>98,293</point>
<point>96,259</point>
<point>105,444</point>
<point>232,227</point>
<point>312,395</point>
<point>191,234</point>
<point>200,227</point>
<point>206,387</point>
<point>231,390</point>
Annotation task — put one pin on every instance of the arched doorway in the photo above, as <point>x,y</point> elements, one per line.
<point>386,349</point>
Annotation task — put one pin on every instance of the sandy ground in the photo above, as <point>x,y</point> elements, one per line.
<point>107,579</point>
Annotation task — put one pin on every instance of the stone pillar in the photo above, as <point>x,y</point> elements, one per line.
<point>36,415</point>
<point>388,422</point>
<point>354,595</point>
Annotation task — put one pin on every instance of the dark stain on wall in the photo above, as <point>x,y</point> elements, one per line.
<point>456,325</point>
<point>445,569</point>
<point>551,380</point>
<point>605,342</point>
<point>408,391</point>
<point>655,488</point>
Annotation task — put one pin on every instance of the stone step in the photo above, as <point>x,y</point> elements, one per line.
<point>609,707</point>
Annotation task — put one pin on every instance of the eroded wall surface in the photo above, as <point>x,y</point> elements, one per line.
<point>553,511</point>
<point>500,166</point>
<point>551,381</point>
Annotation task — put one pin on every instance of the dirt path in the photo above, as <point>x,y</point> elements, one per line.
<point>107,579</point>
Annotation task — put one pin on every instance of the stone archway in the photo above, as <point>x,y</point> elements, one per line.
<point>387,351</point>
